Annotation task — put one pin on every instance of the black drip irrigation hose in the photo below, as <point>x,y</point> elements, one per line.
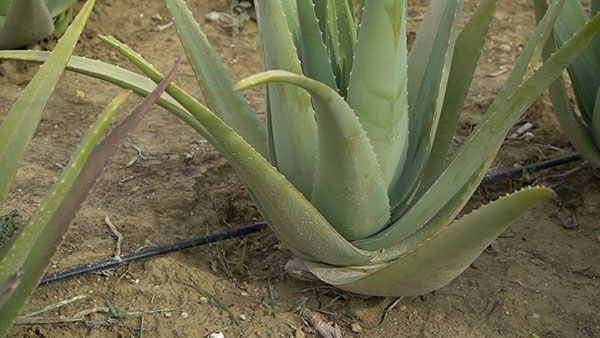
<point>491,178</point>
<point>250,229</point>
<point>151,252</point>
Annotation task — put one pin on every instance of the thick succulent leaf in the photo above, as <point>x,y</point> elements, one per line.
<point>483,141</point>
<point>297,222</point>
<point>315,59</point>
<point>321,12</point>
<point>52,219</point>
<point>27,22</point>
<point>377,90</point>
<point>446,215</point>
<point>522,71</point>
<point>349,189</point>
<point>442,257</point>
<point>423,46</point>
<point>215,82</point>
<point>424,115</point>
<point>585,70</point>
<point>578,134</point>
<point>346,31</point>
<point>290,111</point>
<point>571,123</point>
<point>289,11</point>
<point>336,23</point>
<point>22,120</point>
<point>389,254</point>
<point>469,45</point>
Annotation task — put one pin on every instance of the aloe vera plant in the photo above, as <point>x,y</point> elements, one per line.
<point>23,22</point>
<point>27,252</point>
<point>351,171</point>
<point>583,129</point>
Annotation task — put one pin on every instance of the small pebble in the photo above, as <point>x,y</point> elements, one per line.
<point>217,334</point>
<point>203,300</point>
<point>185,315</point>
<point>536,316</point>
<point>356,328</point>
<point>243,317</point>
<point>505,48</point>
<point>212,16</point>
<point>168,314</point>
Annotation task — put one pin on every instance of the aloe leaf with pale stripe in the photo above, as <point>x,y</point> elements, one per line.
<point>295,219</point>
<point>377,90</point>
<point>349,189</point>
<point>291,116</point>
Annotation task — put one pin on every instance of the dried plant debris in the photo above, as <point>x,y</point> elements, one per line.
<point>236,16</point>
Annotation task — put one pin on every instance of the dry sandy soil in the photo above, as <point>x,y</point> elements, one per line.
<point>542,278</point>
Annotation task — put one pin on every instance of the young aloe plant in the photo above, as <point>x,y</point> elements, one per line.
<point>351,172</point>
<point>583,129</point>
<point>23,22</point>
<point>26,254</point>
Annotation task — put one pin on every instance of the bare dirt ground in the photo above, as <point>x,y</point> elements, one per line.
<point>542,278</point>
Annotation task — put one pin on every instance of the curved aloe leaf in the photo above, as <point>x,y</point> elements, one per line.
<point>293,218</point>
<point>483,141</point>
<point>349,188</point>
<point>291,117</point>
<point>469,45</point>
<point>377,90</point>
<point>215,82</point>
<point>439,259</point>
<point>23,118</point>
